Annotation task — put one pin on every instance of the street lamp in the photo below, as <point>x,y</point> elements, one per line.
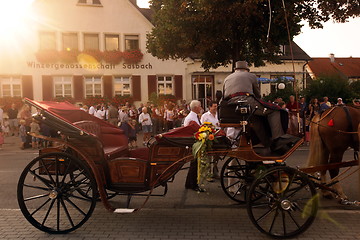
<point>281,86</point>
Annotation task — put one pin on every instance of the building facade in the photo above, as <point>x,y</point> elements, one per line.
<point>83,48</point>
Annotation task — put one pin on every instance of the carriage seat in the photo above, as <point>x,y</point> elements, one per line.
<point>233,112</point>
<point>114,141</point>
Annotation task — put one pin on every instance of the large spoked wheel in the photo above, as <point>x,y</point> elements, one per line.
<point>235,179</point>
<point>282,202</point>
<point>51,193</point>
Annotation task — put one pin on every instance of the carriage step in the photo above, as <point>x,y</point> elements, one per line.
<point>124,210</point>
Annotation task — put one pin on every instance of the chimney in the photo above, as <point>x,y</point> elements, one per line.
<point>332,57</point>
<point>134,2</point>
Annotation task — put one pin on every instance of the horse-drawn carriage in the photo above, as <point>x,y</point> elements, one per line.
<point>58,190</point>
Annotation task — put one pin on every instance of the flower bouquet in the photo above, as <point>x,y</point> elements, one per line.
<point>205,138</point>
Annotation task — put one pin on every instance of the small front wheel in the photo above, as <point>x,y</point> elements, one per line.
<point>51,193</point>
<point>282,202</point>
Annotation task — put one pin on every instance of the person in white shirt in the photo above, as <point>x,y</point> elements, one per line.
<point>92,110</point>
<point>211,115</point>
<point>99,112</point>
<point>191,178</point>
<point>145,121</point>
<point>195,107</point>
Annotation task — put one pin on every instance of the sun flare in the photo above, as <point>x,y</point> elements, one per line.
<point>15,17</point>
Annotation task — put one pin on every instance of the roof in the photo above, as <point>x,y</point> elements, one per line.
<point>342,67</point>
<point>147,12</point>
<point>299,54</point>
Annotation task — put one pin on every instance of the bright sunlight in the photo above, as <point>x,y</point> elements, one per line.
<point>15,16</point>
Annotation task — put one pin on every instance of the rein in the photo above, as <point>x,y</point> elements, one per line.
<point>326,126</point>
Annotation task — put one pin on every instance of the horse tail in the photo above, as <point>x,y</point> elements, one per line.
<point>317,147</point>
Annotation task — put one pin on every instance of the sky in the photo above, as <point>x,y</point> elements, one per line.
<point>341,39</point>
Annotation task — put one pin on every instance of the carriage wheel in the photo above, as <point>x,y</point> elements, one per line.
<point>48,193</point>
<point>235,178</point>
<point>282,202</point>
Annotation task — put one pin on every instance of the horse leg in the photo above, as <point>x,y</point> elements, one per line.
<point>336,157</point>
<point>323,161</point>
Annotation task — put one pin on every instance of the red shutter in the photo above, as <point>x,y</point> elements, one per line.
<point>78,88</point>
<point>152,84</point>
<point>27,87</point>
<point>47,88</point>
<point>108,86</point>
<point>178,82</point>
<point>136,88</point>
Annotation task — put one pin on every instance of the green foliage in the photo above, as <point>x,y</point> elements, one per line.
<point>5,102</point>
<point>330,86</point>
<point>219,32</point>
<point>355,88</point>
<point>160,99</point>
<point>282,93</point>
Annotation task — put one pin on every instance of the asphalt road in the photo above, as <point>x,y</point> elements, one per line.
<point>181,214</point>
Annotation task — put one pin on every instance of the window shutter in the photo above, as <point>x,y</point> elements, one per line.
<point>78,82</point>
<point>47,88</point>
<point>152,84</point>
<point>178,82</point>
<point>136,87</point>
<point>27,87</point>
<point>108,86</point>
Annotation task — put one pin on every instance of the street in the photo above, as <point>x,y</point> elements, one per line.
<point>181,214</point>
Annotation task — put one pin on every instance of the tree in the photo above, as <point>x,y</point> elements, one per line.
<point>332,87</point>
<point>220,32</point>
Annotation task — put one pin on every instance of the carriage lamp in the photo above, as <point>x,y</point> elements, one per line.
<point>281,86</point>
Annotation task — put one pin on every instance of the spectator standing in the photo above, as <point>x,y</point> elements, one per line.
<point>356,102</point>
<point>339,102</point>
<point>191,178</point>
<point>6,126</point>
<point>1,114</point>
<point>113,115</point>
<point>132,134</point>
<point>34,128</point>
<point>314,108</point>
<point>13,119</point>
<point>22,133</point>
<point>99,112</point>
<point>124,120</point>
<point>1,136</point>
<point>302,113</point>
<point>293,108</point>
<point>92,110</point>
<point>146,123</point>
<point>211,116</point>
<point>25,114</point>
<point>169,117</point>
<point>325,104</point>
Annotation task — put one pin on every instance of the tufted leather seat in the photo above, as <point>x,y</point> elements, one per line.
<point>114,141</point>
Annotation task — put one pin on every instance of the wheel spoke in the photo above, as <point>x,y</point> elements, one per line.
<point>58,214</point>
<point>265,214</point>
<point>74,205</point>
<point>36,197</point>
<point>283,221</point>
<point>67,212</point>
<point>77,197</point>
<point>295,190</point>
<point>36,187</point>
<point>47,171</point>
<point>40,207</point>
<point>42,179</point>
<point>66,171</point>
<point>232,185</point>
<point>291,216</point>
<point>48,212</point>
<point>273,221</point>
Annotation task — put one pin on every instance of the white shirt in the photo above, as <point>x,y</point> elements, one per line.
<point>142,118</point>
<point>209,117</point>
<point>92,110</point>
<point>99,114</point>
<point>192,116</point>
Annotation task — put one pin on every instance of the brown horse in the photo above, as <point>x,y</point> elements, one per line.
<point>332,133</point>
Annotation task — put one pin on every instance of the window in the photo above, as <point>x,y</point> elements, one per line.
<point>62,86</point>
<point>47,41</point>
<point>93,86</point>
<point>122,86</point>
<point>131,42</point>
<point>91,41</point>
<point>70,41</point>
<point>89,2</point>
<point>111,42</point>
<point>165,85</point>
<point>10,86</point>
